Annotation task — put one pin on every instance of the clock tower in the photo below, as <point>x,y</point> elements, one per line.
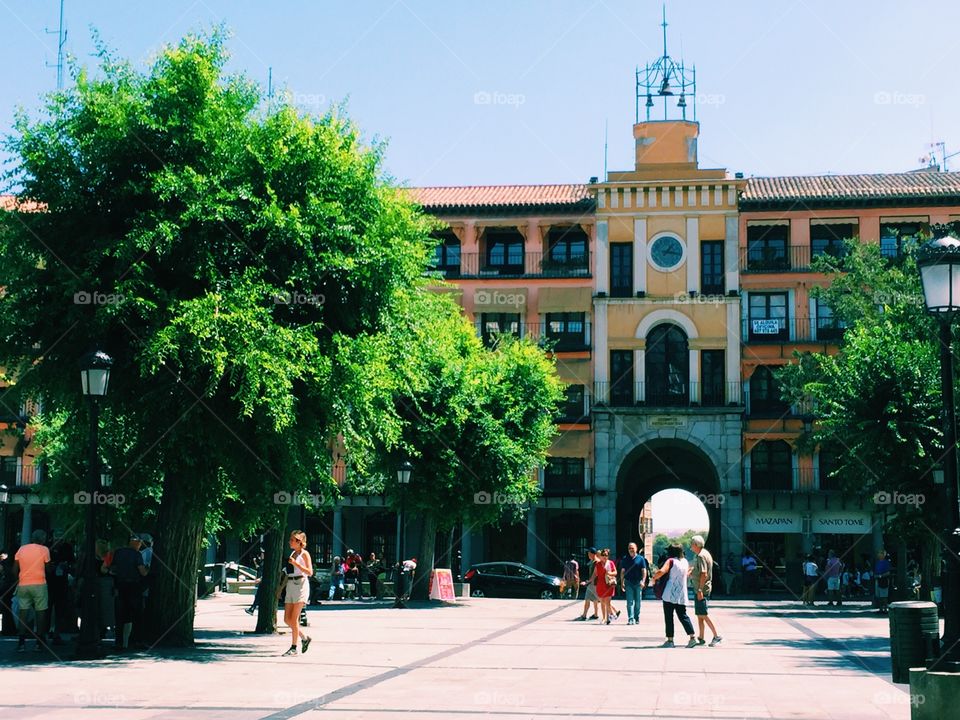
<point>668,401</point>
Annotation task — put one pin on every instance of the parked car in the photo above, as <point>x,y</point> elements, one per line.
<point>512,580</point>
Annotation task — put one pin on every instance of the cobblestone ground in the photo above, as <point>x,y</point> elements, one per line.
<point>505,659</point>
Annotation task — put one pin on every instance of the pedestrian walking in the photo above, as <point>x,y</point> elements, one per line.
<point>633,578</point>
<point>128,572</point>
<point>750,570</point>
<point>831,574</point>
<point>810,577</point>
<point>674,598</point>
<point>298,570</point>
<point>702,577</point>
<point>337,570</point>
<point>881,574</point>
<point>605,580</point>
<point>571,577</point>
<point>258,591</point>
<point>30,568</point>
<point>589,589</point>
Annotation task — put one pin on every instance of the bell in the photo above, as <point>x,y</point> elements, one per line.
<point>649,100</point>
<point>683,101</point>
<point>665,86</point>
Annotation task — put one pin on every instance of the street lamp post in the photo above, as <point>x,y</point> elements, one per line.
<point>403,479</point>
<point>95,379</point>
<point>939,263</point>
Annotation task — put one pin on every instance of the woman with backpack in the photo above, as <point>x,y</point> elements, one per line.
<point>673,590</point>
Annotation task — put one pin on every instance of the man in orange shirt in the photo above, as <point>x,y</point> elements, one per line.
<point>30,567</point>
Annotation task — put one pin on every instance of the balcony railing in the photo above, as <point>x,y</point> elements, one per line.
<point>570,415</point>
<point>795,258</point>
<point>642,394</point>
<point>796,481</point>
<point>546,336</point>
<point>537,265</point>
<point>568,486</point>
<point>26,475</point>
<point>785,330</point>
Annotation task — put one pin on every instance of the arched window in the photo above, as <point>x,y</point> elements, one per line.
<point>667,362</point>
<point>765,393</point>
<point>770,466</point>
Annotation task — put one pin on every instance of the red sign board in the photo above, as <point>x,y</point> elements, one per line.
<point>441,585</point>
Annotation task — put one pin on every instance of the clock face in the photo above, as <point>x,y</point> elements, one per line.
<point>666,252</point>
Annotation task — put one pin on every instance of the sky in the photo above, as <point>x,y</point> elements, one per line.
<point>676,511</point>
<point>521,91</point>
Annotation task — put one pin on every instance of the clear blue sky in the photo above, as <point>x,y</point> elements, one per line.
<point>811,86</point>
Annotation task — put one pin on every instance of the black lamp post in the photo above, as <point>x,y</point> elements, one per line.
<point>403,479</point>
<point>939,263</point>
<point>95,379</point>
<point>4,499</point>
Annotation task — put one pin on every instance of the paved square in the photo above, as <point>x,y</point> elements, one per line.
<point>505,659</point>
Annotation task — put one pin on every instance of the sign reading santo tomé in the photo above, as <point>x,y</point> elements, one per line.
<point>790,521</point>
<point>841,523</point>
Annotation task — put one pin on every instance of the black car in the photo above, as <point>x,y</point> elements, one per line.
<point>511,580</point>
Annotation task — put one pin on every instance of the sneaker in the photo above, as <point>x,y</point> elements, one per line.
<point>617,612</point>
<point>304,644</point>
<point>716,641</point>
<point>593,617</point>
<point>668,644</point>
<point>608,621</point>
<point>693,643</point>
<point>291,651</point>
<point>631,621</point>
<point>580,618</point>
<point>701,641</point>
<point>249,611</point>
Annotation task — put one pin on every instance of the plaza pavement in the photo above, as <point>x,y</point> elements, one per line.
<point>485,658</point>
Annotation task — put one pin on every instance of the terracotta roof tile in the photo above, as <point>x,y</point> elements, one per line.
<point>503,196</point>
<point>11,202</point>
<point>818,190</point>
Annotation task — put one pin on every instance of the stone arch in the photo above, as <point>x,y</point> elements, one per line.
<point>658,317</point>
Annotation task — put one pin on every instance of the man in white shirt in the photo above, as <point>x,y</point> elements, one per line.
<point>810,577</point>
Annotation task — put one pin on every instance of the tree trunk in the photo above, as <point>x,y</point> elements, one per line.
<point>269,581</point>
<point>176,561</point>
<point>428,548</point>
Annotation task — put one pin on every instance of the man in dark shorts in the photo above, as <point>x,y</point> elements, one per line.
<point>702,578</point>
<point>128,570</point>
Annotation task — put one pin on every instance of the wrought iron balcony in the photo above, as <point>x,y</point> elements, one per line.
<point>532,265</point>
<point>642,394</point>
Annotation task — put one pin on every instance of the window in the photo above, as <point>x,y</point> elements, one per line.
<point>667,363</point>
<point>828,465</point>
<point>829,239</point>
<point>897,238</point>
<point>446,255</point>
<point>621,372</point>
<point>495,324</point>
<point>567,251</point>
<point>566,331</point>
<point>712,373</point>
<point>8,471</point>
<point>621,269</point>
<point>765,398</point>
<point>770,466</point>
<point>828,326</point>
<point>711,267</point>
<point>574,409</point>
<point>768,317</point>
<point>564,476</point>
<point>504,252</point>
<point>767,248</point>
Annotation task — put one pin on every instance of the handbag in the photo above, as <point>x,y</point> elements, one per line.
<point>661,584</point>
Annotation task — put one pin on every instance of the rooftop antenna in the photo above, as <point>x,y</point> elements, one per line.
<point>270,83</point>
<point>606,125</point>
<point>61,34</point>
<point>664,78</point>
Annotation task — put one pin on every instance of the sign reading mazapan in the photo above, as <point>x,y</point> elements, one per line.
<point>772,521</point>
<point>667,421</point>
<point>441,585</point>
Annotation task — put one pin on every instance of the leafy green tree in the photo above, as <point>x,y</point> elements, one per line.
<point>877,400</point>
<point>238,262</point>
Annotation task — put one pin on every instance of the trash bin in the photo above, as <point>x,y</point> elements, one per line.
<point>914,637</point>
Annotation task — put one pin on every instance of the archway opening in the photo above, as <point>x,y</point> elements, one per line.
<point>677,515</point>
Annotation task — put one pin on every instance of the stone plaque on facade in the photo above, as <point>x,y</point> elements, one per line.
<point>668,421</point>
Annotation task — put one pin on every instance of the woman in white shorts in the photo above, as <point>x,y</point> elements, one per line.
<point>298,570</point>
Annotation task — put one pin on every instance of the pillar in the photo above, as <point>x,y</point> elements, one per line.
<point>602,272</point>
<point>731,252</point>
<point>601,356</point>
<point>640,255</point>
<point>532,248</point>
<point>466,548</point>
<point>533,539</point>
<point>694,391</point>
<point>27,527</point>
<point>693,254</point>
<point>337,540</point>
